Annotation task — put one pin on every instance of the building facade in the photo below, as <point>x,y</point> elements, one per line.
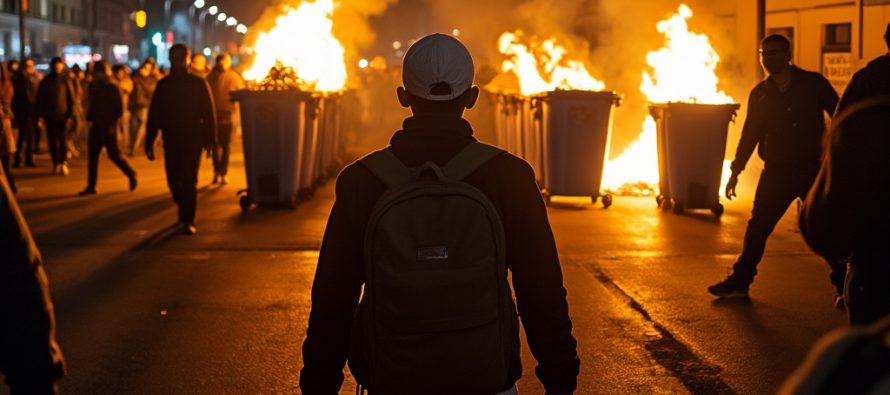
<point>77,30</point>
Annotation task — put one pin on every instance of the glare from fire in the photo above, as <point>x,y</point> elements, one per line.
<point>302,38</point>
<point>681,71</point>
<point>543,66</point>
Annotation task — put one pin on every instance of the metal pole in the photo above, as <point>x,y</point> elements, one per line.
<point>23,9</point>
<point>861,19</point>
<point>761,31</point>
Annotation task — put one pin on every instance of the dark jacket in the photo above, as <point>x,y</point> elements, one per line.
<point>55,97</point>
<point>787,128</point>
<point>106,105</point>
<point>24,95</point>
<point>847,211</point>
<point>183,108</point>
<point>29,356</point>
<point>509,183</point>
<point>143,89</point>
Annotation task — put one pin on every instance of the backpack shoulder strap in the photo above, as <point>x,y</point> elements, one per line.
<point>387,167</point>
<point>470,159</point>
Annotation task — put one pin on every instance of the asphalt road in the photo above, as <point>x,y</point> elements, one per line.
<point>143,310</point>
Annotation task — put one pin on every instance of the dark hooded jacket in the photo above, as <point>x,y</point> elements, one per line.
<point>182,107</point>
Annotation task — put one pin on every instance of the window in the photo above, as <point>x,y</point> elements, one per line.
<point>837,37</point>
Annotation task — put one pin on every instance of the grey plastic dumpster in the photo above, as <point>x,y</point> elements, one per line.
<point>273,139</point>
<point>692,146</point>
<point>576,133</point>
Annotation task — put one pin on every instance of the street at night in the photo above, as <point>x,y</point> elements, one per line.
<point>143,310</point>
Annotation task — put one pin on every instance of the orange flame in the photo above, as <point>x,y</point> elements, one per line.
<point>302,38</point>
<point>544,67</point>
<point>682,71</point>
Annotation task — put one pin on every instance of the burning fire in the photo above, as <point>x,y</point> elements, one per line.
<point>302,39</point>
<point>682,71</point>
<point>543,67</point>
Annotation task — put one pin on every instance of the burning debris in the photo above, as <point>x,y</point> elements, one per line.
<point>543,66</point>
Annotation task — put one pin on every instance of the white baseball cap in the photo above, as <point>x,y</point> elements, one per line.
<point>437,67</point>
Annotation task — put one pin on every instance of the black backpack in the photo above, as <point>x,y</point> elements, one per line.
<point>436,315</point>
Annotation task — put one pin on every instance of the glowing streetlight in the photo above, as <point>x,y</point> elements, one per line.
<point>199,3</point>
<point>363,64</point>
<point>207,52</point>
<point>231,21</point>
<point>396,45</point>
<point>221,17</point>
<point>213,10</point>
<point>241,28</point>
<point>455,32</point>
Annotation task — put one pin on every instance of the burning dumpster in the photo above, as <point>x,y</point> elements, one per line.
<point>691,141</point>
<point>274,142</point>
<point>576,128</point>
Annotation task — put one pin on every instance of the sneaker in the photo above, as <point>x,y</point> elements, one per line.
<point>189,229</point>
<point>63,169</point>
<point>223,180</point>
<point>133,183</point>
<point>87,192</point>
<point>215,178</point>
<point>731,287</point>
<point>839,302</point>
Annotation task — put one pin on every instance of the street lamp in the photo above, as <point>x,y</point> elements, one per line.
<point>241,28</point>
<point>231,21</point>
<point>213,10</point>
<point>221,17</point>
<point>199,4</point>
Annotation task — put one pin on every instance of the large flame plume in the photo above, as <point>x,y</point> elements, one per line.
<point>681,71</point>
<point>543,66</point>
<point>302,39</point>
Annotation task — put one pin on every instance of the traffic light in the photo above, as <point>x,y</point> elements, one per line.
<point>140,17</point>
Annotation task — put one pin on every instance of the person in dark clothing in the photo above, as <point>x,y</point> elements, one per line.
<point>182,107</point>
<point>846,214</point>
<point>786,122</point>
<point>144,84</point>
<point>55,105</point>
<point>223,80</point>
<point>29,356</point>
<point>24,101</point>
<point>106,110</point>
<point>437,132</point>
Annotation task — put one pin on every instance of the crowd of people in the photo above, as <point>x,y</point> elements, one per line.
<point>74,108</point>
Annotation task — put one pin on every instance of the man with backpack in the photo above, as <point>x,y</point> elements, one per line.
<point>429,227</point>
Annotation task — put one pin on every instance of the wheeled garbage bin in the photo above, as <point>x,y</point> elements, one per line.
<point>308,166</point>
<point>577,127</point>
<point>274,143</point>
<point>691,150</point>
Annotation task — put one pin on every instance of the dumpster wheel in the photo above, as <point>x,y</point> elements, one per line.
<point>676,207</point>
<point>245,203</point>
<point>717,210</point>
<point>607,200</point>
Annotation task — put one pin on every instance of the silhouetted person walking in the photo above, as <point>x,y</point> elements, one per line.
<point>144,83</point>
<point>223,80</point>
<point>846,214</point>
<point>786,123</point>
<point>105,113</point>
<point>24,107</point>
<point>428,228</point>
<point>55,105</point>
<point>182,109</point>
<point>29,356</point>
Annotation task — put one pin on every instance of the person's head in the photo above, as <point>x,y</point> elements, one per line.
<point>56,66</point>
<point>28,66</point>
<point>101,71</point>
<point>775,53</point>
<point>120,72</point>
<point>437,74</point>
<point>223,62</point>
<point>199,62</point>
<point>13,65</point>
<point>179,56</point>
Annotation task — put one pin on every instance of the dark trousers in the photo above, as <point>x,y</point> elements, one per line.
<point>5,159</point>
<point>221,153</point>
<point>182,178</point>
<point>868,283</point>
<point>776,190</point>
<point>26,142</point>
<point>58,145</point>
<point>105,137</point>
